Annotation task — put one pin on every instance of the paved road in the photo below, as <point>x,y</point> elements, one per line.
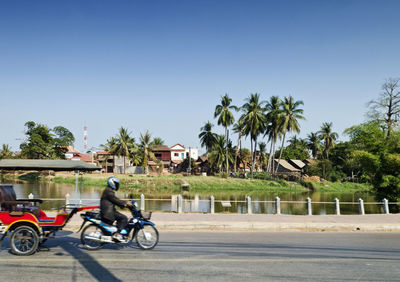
<point>215,256</point>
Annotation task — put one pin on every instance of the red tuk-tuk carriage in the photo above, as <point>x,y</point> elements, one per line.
<point>26,224</point>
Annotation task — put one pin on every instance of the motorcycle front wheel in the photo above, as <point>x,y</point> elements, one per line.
<point>91,237</point>
<point>147,237</point>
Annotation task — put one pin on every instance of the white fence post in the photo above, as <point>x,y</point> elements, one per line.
<point>337,206</point>
<point>212,204</point>
<point>179,203</point>
<point>142,202</point>
<point>196,203</point>
<point>278,205</point>
<point>309,208</point>
<point>248,204</point>
<point>385,206</point>
<point>361,206</point>
<point>174,204</point>
<point>67,198</point>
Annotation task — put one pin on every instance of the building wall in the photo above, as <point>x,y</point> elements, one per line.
<point>177,155</point>
<point>163,155</point>
<point>194,153</point>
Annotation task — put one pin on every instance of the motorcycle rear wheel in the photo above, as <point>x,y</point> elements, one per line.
<point>147,237</point>
<point>88,233</point>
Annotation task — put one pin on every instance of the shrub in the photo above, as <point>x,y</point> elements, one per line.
<point>308,184</point>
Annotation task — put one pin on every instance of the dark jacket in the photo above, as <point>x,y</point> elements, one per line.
<point>107,204</point>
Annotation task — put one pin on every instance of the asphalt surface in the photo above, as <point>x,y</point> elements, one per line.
<point>267,222</point>
<point>215,256</point>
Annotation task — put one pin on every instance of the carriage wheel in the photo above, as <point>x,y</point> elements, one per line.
<point>24,241</point>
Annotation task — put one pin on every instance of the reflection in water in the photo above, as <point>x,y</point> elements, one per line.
<point>263,202</point>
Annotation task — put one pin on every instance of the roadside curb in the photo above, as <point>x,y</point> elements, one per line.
<point>267,223</point>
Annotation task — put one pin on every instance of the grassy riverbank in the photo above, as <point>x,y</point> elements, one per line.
<point>205,184</point>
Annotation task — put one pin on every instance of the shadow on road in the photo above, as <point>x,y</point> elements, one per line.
<point>97,270</point>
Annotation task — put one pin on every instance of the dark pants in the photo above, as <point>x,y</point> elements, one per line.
<point>121,219</point>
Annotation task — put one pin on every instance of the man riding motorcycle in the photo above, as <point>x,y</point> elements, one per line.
<point>108,202</point>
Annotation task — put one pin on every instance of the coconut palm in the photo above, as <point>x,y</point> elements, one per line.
<point>328,136</point>
<point>218,152</point>
<point>225,118</point>
<point>124,144</point>
<point>262,154</point>
<point>254,122</point>
<point>291,113</point>
<point>157,141</point>
<point>207,138</point>
<point>5,152</point>
<point>146,148</point>
<point>273,129</point>
<point>313,144</point>
<point>238,128</point>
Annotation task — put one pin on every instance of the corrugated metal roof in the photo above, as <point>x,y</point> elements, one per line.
<point>298,163</point>
<point>56,165</point>
<point>287,165</point>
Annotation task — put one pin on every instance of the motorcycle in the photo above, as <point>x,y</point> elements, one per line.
<point>139,227</point>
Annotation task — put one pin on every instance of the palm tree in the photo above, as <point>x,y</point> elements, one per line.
<point>157,141</point>
<point>254,122</point>
<point>328,136</point>
<point>238,128</point>
<point>5,152</point>
<point>290,116</point>
<point>273,129</point>
<point>262,151</point>
<point>217,154</point>
<point>225,118</point>
<point>313,144</point>
<point>147,150</point>
<point>207,138</point>
<point>124,144</point>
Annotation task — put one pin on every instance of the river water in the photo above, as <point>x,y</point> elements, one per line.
<point>262,202</point>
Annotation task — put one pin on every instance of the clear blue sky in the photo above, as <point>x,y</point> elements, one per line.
<point>163,65</point>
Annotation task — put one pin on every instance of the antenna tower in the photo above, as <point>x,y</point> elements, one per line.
<point>85,138</point>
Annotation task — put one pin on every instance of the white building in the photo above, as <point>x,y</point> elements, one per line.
<point>179,152</point>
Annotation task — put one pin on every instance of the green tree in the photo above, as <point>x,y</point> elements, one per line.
<point>328,136</point>
<point>297,149</point>
<point>369,136</point>
<point>254,121</point>
<point>206,136</point>
<point>122,144</point>
<point>45,143</point>
<point>273,128</point>
<point>146,148</point>
<point>157,141</point>
<point>218,154</point>
<point>313,144</point>
<point>62,138</point>
<point>6,152</point>
<point>238,128</point>
<point>225,118</point>
<point>291,114</point>
<point>262,155</point>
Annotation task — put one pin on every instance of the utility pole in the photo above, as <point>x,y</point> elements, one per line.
<point>190,160</point>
